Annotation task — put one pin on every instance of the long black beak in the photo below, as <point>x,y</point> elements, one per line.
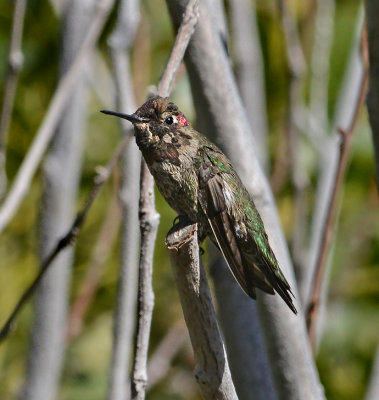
<point>130,117</point>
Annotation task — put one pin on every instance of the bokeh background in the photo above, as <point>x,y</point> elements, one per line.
<point>351,320</point>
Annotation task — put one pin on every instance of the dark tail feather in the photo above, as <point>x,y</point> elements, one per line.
<point>283,293</point>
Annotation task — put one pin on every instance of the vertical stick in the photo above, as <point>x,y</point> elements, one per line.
<point>62,169</point>
<point>149,220</point>
<point>149,217</point>
<point>120,43</point>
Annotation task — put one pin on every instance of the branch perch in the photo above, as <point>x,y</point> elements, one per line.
<point>211,370</point>
<point>149,225</point>
<point>221,115</point>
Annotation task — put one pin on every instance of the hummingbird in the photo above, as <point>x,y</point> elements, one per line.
<point>199,182</point>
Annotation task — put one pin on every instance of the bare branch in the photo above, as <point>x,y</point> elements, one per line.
<point>185,32</point>
<point>69,238</point>
<point>45,132</point>
<point>323,35</point>
<point>211,370</point>
<point>250,70</point>
<point>47,349</point>
<point>220,112</point>
<point>243,336</point>
<point>149,220</point>
<point>328,229</point>
<point>315,128</point>
<point>119,44</point>
<point>295,107</point>
<point>345,110</point>
<point>100,253</point>
<point>15,61</point>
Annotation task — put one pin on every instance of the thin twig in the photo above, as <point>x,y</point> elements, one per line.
<point>346,137</point>
<point>343,114</point>
<point>100,253</point>
<point>15,61</point>
<point>45,132</point>
<point>102,176</point>
<point>149,217</point>
<point>181,42</point>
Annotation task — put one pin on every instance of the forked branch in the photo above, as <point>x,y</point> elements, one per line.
<point>346,137</point>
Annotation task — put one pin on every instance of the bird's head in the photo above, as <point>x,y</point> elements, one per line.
<point>156,120</point>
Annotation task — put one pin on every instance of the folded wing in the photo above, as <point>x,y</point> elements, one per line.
<point>239,232</point>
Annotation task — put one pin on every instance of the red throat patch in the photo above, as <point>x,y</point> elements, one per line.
<point>182,120</point>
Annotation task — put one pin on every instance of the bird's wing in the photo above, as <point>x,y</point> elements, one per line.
<point>248,255</point>
<point>213,203</point>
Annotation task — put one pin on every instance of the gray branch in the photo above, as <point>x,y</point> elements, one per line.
<point>46,130</point>
<point>250,71</point>
<point>149,217</point>
<point>61,178</point>
<point>239,319</point>
<point>295,106</point>
<point>101,251</point>
<point>319,84</point>
<point>316,129</point>
<point>149,220</point>
<point>245,344</point>
<point>372,10</point>
<point>124,319</point>
<point>329,158</point>
<point>211,369</point>
<point>221,115</point>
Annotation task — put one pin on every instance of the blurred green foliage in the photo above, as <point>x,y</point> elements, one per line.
<point>351,319</point>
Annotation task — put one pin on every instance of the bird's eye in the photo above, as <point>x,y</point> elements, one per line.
<point>169,120</point>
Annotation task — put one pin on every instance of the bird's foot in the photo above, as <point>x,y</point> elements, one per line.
<point>181,220</point>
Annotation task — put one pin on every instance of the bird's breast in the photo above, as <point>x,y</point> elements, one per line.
<point>178,185</point>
